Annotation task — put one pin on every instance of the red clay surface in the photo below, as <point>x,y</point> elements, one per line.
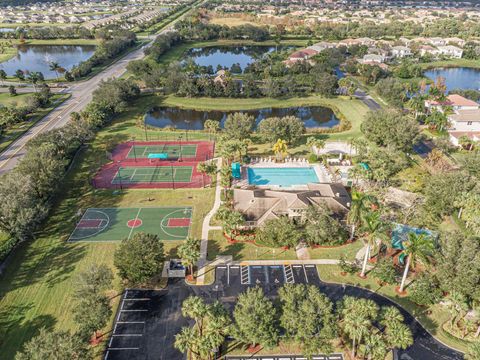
<point>134,223</point>
<point>205,150</point>
<point>178,222</point>
<point>104,177</point>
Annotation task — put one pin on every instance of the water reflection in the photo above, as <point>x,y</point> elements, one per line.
<point>312,117</point>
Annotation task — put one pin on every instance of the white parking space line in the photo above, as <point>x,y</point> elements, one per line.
<point>130,322</point>
<point>139,299</point>
<point>228,275</point>
<point>305,273</point>
<point>130,348</point>
<point>135,310</point>
<point>127,335</point>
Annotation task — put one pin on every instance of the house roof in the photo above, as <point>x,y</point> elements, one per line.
<point>454,100</point>
<point>474,135</point>
<point>466,115</point>
<point>305,53</point>
<point>260,205</point>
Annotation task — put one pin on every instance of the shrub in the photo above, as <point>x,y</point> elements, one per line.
<point>312,158</point>
<point>425,290</point>
<point>349,267</point>
<point>385,271</point>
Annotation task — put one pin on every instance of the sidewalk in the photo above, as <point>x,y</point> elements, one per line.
<point>202,261</point>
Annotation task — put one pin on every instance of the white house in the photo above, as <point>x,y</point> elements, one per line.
<point>464,123</point>
<point>436,41</point>
<point>427,49</point>
<point>373,58</point>
<point>451,51</point>
<point>401,51</point>
<point>319,47</point>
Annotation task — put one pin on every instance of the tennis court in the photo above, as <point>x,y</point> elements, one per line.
<point>114,224</point>
<point>173,151</point>
<point>153,174</point>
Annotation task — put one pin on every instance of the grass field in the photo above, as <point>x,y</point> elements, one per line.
<point>451,63</point>
<point>14,132</point>
<point>18,100</point>
<point>231,21</point>
<point>37,287</point>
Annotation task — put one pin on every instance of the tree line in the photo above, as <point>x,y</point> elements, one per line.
<point>301,315</point>
<point>110,46</point>
<point>30,188</point>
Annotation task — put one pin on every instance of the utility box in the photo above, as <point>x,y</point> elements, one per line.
<point>176,269</point>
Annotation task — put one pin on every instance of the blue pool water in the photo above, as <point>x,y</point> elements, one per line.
<point>282,176</point>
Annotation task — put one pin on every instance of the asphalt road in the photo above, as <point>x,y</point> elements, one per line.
<point>367,100</point>
<point>147,320</point>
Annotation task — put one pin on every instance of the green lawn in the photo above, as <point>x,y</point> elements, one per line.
<point>451,63</point>
<point>218,245</point>
<point>37,288</point>
<point>14,132</point>
<point>432,322</point>
<point>18,100</point>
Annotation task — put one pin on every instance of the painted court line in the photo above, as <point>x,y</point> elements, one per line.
<point>136,218</point>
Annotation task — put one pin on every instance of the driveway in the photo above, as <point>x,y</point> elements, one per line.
<point>147,321</point>
<point>367,100</point>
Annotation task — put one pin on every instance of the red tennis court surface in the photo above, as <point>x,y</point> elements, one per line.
<point>178,222</point>
<point>138,151</point>
<point>131,168</point>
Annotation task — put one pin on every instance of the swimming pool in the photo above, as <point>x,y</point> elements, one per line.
<point>282,176</point>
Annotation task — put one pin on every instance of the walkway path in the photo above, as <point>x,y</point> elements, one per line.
<point>202,262</point>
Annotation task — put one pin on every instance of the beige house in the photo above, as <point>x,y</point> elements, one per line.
<point>260,205</point>
<point>455,101</point>
<point>464,123</point>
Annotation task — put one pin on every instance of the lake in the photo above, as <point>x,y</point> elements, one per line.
<point>457,78</point>
<point>226,56</point>
<point>312,117</point>
<point>39,57</point>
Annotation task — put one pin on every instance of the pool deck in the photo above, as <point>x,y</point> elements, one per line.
<point>321,171</point>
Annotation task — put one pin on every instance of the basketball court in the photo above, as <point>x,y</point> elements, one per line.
<point>115,224</point>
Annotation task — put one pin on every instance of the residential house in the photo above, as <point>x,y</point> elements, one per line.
<point>464,123</point>
<point>436,41</point>
<point>302,55</point>
<point>319,47</point>
<point>451,51</point>
<point>373,58</point>
<point>427,49</point>
<point>456,102</point>
<point>400,51</point>
<point>260,205</point>
<point>456,41</point>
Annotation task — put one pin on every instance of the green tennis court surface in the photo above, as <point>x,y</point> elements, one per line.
<point>113,224</point>
<point>173,151</point>
<point>153,174</point>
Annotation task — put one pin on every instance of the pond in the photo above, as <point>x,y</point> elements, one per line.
<point>312,117</point>
<point>39,57</point>
<point>457,78</point>
<point>226,56</point>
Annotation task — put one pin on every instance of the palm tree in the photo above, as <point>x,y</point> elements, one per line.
<point>314,142</point>
<point>359,207</point>
<point>3,75</point>
<point>417,104</point>
<point>458,306</point>
<point>418,247</point>
<point>357,327</point>
<point>398,336</point>
<point>280,149</point>
<point>375,347</point>
<point>55,67</point>
<point>212,126</point>
<point>194,307</point>
<point>376,229</point>
<point>34,78</point>
<point>189,252</point>
<point>186,342</point>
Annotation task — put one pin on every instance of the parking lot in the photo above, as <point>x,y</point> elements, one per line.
<point>148,320</point>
